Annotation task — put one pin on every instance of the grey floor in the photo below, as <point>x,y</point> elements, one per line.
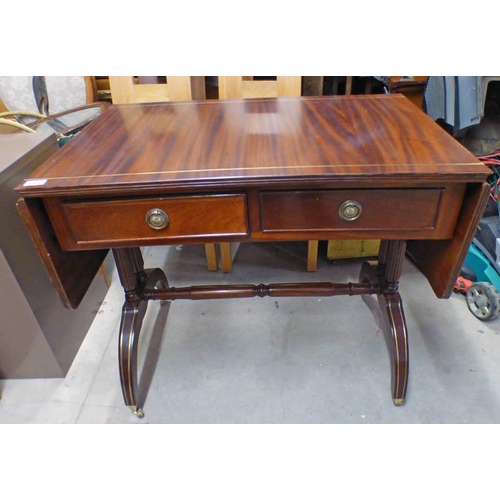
<point>286,360</point>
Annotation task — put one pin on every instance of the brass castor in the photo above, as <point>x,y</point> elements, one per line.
<point>138,413</point>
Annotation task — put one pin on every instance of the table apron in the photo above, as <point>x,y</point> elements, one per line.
<point>266,215</point>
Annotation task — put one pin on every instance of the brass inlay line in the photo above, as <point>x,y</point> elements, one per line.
<point>405,337</point>
<point>398,380</point>
<point>129,354</point>
<point>397,352</point>
<point>223,169</point>
<point>130,395</point>
<point>122,372</point>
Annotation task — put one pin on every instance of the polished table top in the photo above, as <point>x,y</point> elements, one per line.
<point>156,145</point>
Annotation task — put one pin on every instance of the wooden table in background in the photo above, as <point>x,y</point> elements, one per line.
<point>276,169</point>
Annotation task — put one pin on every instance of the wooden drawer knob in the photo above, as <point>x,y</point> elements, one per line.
<point>157,219</point>
<point>350,210</point>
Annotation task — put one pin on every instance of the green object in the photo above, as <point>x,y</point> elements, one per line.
<point>482,267</point>
<point>61,141</point>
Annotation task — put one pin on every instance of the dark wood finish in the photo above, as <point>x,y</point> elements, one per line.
<point>441,261</point>
<point>70,273</point>
<point>136,283</point>
<point>409,210</point>
<point>375,141</point>
<point>382,138</point>
<point>264,170</point>
<point>272,290</point>
<point>391,265</point>
<point>117,222</point>
<point>386,276</point>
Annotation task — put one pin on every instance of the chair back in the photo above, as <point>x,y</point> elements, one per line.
<point>236,87</point>
<point>62,93</point>
<point>130,89</point>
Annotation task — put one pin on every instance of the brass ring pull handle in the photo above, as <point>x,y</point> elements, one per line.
<point>157,219</point>
<point>350,210</point>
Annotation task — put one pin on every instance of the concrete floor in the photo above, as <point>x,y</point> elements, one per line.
<point>287,360</point>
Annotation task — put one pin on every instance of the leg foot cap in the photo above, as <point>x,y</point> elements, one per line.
<point>138,412</point>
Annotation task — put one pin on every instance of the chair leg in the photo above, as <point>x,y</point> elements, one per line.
<point>227,263</point>
<point>225,252</point>
<point>312,255</point>
<point>211,256</point>
<point>348,85</point>
<point>105,275</point>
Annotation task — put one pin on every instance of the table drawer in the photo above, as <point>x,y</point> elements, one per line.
<point>346,210</point>
<point>138,221</point>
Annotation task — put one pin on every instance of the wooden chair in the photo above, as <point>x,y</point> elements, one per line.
<point>413,87</point>
<point>237,87</point>
<point>130,89</point>
<point>25,101</point>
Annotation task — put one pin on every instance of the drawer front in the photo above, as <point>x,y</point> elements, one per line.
<point>89,224</point>
<point>351,210</point>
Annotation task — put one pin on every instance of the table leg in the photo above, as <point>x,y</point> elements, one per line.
<point>386,274</point>
<point>130,327</point>
<point>141,285</point>
<point>135,281</point>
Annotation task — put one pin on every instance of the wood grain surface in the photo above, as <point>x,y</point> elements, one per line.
<point>154,145</point>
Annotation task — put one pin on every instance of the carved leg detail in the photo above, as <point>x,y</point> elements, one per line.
<point>141,285</point>
<point>130,327</point>
<point>135,281</point>
<point>392,308</point>
<point>386,275</point>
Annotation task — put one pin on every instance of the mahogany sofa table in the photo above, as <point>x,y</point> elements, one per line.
<point>348,167</point>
